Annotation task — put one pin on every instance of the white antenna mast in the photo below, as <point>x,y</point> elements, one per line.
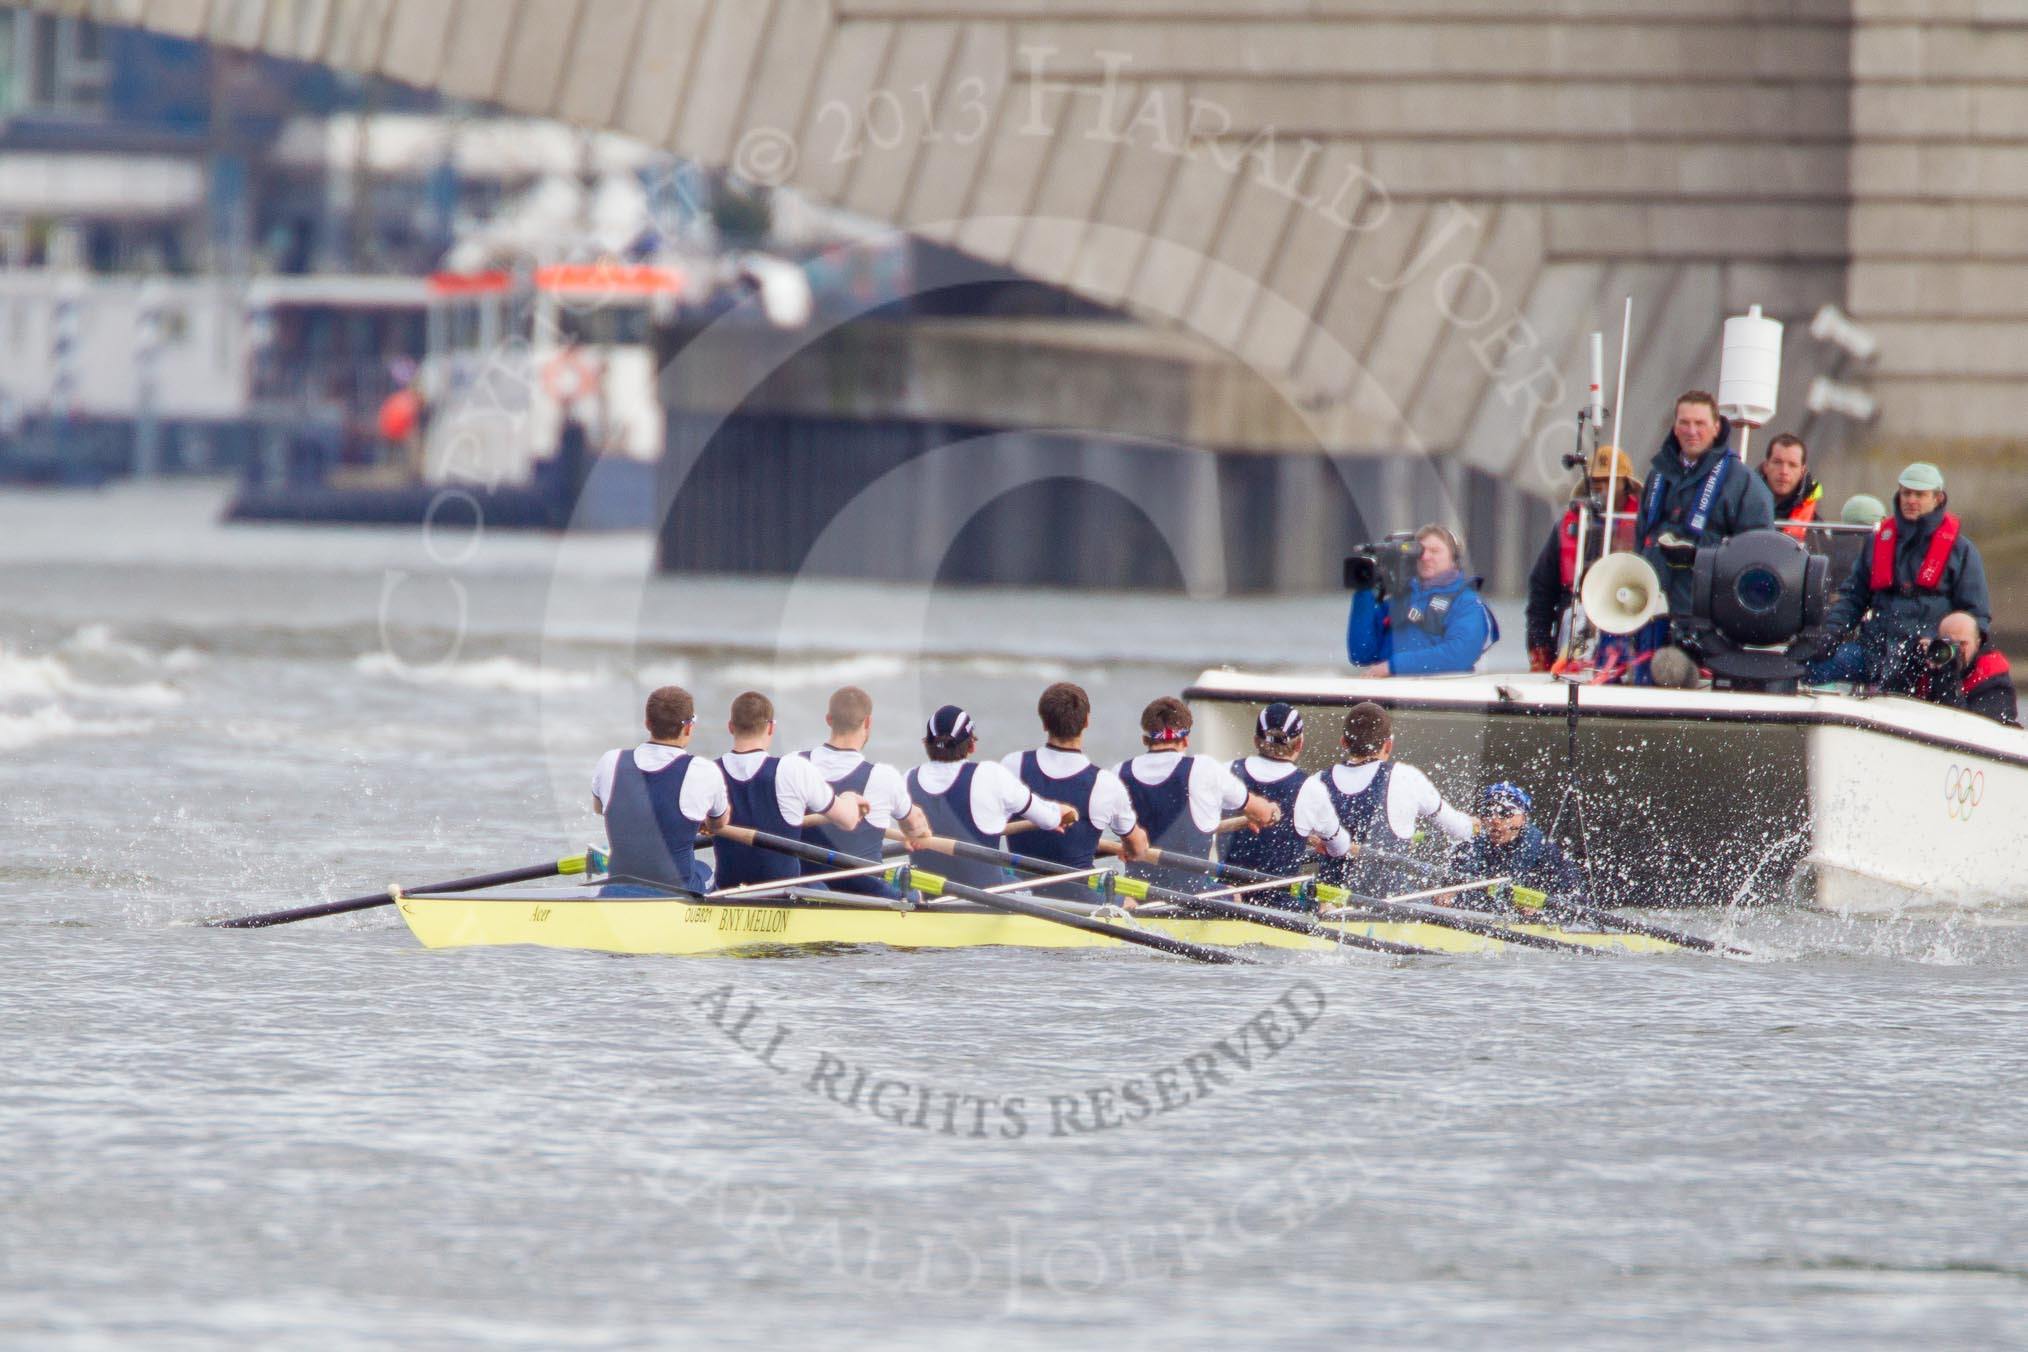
<point>1619,429</point>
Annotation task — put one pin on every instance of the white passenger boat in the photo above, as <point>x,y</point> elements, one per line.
<point>1702,797</point>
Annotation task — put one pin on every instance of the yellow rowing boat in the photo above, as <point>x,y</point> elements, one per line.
<point>652,926</point>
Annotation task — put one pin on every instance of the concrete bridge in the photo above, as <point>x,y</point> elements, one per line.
<point>1404,219</point>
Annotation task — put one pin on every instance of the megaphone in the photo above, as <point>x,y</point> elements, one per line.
<point>1621,593</point>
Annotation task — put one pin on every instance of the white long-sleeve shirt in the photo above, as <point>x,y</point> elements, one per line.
<point>1410,798</point>
<point>799,789</point>
<point>1111,809</point>
<point>1214,789</point>
<point>997,796</point>
<point>886,794</point>
<point>703,786</point>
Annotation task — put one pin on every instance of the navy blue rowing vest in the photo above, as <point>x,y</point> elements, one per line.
<point>863,841</point>
<point>651,839</point>
<point>1365,815</point>
<point>1163,811</point>
<point>1278,850</point>
<point>754,805</point>
<point>1076,846</point>
<point>950,814</point>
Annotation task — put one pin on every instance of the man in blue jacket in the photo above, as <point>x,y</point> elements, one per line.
<point>1439,625</point>
<point>1699,494</point>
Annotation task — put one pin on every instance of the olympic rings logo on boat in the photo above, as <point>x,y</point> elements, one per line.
<point>1964,790</point>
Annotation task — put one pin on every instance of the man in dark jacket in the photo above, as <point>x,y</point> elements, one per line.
<point>1918,570</point>
<point>1798,497</point>
<point>1554,576</point>
<point>1698,495</point>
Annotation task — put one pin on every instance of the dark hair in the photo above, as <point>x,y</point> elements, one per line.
<point>1367,728</point>
<point>850,708</point>
<point>670,710</point>
<point>751,713</point>
<point>1704,397</point>
<point>947,751</point>
<point>1065,710</point>
<point>1166,719</point>
<point>1786,439</point>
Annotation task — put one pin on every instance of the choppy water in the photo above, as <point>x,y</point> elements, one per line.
<point>324,1136</point>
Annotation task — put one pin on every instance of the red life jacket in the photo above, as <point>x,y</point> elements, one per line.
<point>1623,537</point>
<point>1989,664</point>
<point>1932,571</point>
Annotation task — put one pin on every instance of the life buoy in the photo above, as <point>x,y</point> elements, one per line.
<point>569,376</point>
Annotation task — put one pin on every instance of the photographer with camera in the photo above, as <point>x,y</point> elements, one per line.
<point>1553,580</point>
<point>1414,612</point>
<point>1918,573</point>
<point>1960,670</point>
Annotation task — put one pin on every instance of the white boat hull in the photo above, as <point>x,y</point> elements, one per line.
<point>1703,797</point>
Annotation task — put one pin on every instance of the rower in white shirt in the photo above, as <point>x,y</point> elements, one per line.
<point>1180,799</point>
<point>973,801</point>
<point>655,799</point>
<point>1273,773</point>
<point>1059,770</point>
<point>771,794</point>
<point>842,762</point>
<point>1374,800</point>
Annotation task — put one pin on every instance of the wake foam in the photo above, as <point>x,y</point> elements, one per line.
<point>507,675</point>
<point>44,699</point>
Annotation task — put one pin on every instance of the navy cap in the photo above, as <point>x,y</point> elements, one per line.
<point>1279,720</point>
<point>949,724</point>
<point>1512,797</point>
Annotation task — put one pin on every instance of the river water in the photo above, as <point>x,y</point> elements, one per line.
<point>324,1136</point>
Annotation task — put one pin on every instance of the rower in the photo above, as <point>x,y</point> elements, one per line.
<point>1180,799</point>
<point>842,762</point>
<point>655,798</point>
<point>772,794</point>
<point>1060,771</point>
<point>1271,773</point>
<point>1509,845</point>
<point>973,801</point>
<point>1376,799</point>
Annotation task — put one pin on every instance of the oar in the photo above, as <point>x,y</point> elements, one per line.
<point>1231,910</point>
<point>1221,872</point>
<point>1590,914</point>
<point>817,854</point>
<point>590,861</point>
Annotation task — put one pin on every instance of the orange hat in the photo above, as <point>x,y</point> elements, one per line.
<point>1602,464</point>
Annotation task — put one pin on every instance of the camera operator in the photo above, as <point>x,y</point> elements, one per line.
<point>1960,670</point>
<point>1552,580</point>
<point>1433,622</point>
<point>1918,572</point>
<point>1698,495</point>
